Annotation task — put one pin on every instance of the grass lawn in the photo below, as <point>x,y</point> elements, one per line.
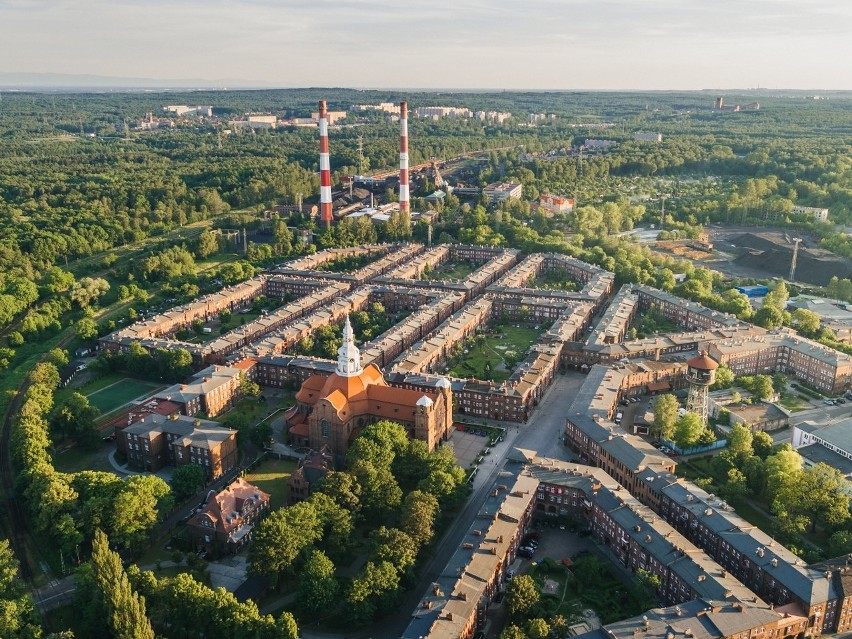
<point>215,262</point>
<point>596,586</point>
<point>75,459</point>
<point>246,411</point>
<point>107,379</point>
<point>458,271</point>
<point>108,398</point>
<point>507,342</point>
<point>555,284</point>
<point>157,552</point>
<point>793,402</point>
<point>271,477</point>
<point>240,319</point>
<point>558,602</point>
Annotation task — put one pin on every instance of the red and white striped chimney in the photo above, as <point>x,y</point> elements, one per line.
<point>325,167</point>
<point>403,158</point>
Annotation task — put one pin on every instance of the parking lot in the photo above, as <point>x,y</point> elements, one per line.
<point>553,542</point>
<point>633,410</point>
<point>468,446</point>
<point>559,542</point>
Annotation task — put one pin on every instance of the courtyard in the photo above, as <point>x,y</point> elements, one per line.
<point>493,355</point>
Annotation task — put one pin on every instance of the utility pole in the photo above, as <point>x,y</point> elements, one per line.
<point>795,257</point>
<point>360,155</point>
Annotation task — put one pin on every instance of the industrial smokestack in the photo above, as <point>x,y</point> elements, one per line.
<point>403,158</point>
<point>325,167</point>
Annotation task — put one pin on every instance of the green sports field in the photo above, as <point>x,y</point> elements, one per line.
<point>115,395</point>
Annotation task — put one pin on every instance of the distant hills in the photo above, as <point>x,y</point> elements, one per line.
<point>59,81</point>
<point>23,81</point>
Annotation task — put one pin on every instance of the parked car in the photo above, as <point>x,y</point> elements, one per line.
<point>526,551</point>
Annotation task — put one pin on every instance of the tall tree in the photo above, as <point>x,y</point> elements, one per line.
<point>282,537</point>
<point>688,430</point>
<point>665,416</point>
<point>724,377</point>
<point>208,244</point>
<point>142,503</point>
<point>125,609</point>
<point>186,480</point>
<point>740,441</point>
<point>88,290</point>
<point>419,511</point>
<point>818,496</point>
<point>762,444</point>
<point>375,589</point>
<point>75,419</point>
<point>806,322</point>
<point>522,595</point>
<point>781,469</point>
<point>18,619</point>
<point>318,588</point>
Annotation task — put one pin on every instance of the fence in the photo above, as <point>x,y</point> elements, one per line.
<point>695,450</point>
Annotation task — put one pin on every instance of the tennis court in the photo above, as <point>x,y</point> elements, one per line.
<point>115,395</point>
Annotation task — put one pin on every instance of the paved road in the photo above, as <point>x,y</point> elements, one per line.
<point>544,431</point>
<point>56,594</point>
<point>822,415</point>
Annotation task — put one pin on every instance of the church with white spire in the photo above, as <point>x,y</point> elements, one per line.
<point>348,355</point>
<point>332,410</point>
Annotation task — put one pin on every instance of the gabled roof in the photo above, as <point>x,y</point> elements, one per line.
<point>226,508</point>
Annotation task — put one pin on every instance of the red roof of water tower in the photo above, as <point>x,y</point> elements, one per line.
<point>703,362</point>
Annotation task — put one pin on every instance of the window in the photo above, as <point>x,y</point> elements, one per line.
<point>324,426</point>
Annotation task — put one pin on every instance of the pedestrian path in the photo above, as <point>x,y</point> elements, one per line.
<point>119,468</point>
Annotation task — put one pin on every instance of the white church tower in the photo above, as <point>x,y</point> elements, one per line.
<point>348,355</point>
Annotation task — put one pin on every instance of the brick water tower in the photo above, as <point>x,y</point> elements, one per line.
<point>700,373</point>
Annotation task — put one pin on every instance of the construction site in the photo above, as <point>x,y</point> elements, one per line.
<point>762,253</point>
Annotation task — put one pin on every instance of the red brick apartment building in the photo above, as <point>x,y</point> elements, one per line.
<point>155,441</point>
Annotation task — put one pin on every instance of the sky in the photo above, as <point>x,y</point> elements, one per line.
<point>465,44</point>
